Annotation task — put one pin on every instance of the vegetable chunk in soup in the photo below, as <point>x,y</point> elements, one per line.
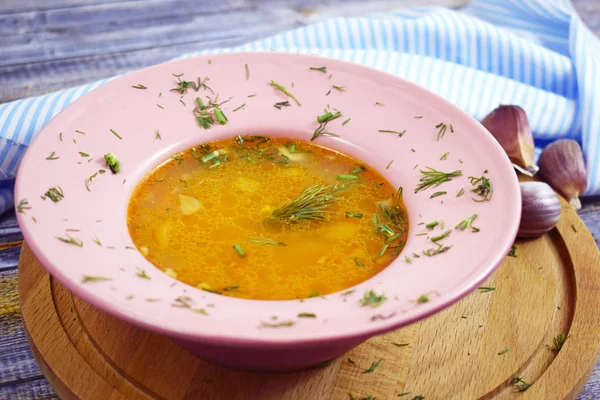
<point>267,218</point>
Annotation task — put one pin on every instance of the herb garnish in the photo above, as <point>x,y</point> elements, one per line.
<point>142,274</point>
<point>460,193</point>
<point>400,134</point>
<point>51,157</point>
<point>347,177</point>
<point>138,86</point>
<point>55,194</point>
<point>282,104</point>
<point>513,251</point>
<point>442,127</point>
<point>82,154</point>
<point>403,394</point>
<point>277,325</point>
<point>373,367</point>
<point>97,241</point>
<point>400,344</point>
<point>71,240</point>
<point>322,365</point>
<point>91,278</point>
<point>434,178</point>
<point>353,215</point>
<point>328,116</point>
<point>442,236</point>
<point>467,224</point>
<point>157,135</point>
<point>339,88</point>
<point>265,242</point>
<point>247,71</point>
<point>436,194</point>
<point>182,86</point>
<point>113,163</point>
<point>432,225</point>
<point>311,204</point>
<point>520,384</point>
<point>444,156</point>
<point>372,299</point>
<point>484,188</point>
<point>285,91</point>
<point>238,249</point>
<point>504,351</point>
<point>307,315</point>
<point>320,69</point>
<point>358,264</point>
<point>485,289</point>
<point>558,341</point>
<point>80,132</point>
<point>346,121</point>
<point>389,165</point>
<point>159,106</point>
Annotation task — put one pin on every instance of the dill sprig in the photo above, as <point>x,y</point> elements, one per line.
<point>238,249</point>
<point>23,206</point>
<point>282,104</point>
<point>485,289</point>
<point>346,121</point>
<point>311,204</point>
<point>437,194</point>
<point>182,86</point>
<point>142,274</point>
<point>285,91</point>
<point>372,299</point>
<point>55,194</point>
<point>138,86</point>
<point>399,133</point>
<point>558,342</point>
<point>433,178</point>
<point>466,224</point>
<point>520,384</point>
<point>484,188</point>
<point>339,88</point>
<point>239,108</point>
<point>265,242</point>
<point>113,163</point>
<point>320,69</point>
<point>442,128</point>
<point>52,157</point>
<point>373,367</point>
<point>94,279</point>
<point>71,240</point>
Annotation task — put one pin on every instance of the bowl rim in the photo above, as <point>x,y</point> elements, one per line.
<point>450,297</point>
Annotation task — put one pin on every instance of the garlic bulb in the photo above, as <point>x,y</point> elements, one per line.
<point>562,166</point>
<point>510,126</point>
<point>540,209</point>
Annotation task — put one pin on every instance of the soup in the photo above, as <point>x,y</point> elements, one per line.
<point>267,218</point>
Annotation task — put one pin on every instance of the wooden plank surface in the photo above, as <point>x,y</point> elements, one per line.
<point>49,45</point>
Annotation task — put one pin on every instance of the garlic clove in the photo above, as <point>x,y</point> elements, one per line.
<point>510,126</point>
<point>540,209</point>
<point>562,166</point>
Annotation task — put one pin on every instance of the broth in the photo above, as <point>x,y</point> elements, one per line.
<point>267,218</point>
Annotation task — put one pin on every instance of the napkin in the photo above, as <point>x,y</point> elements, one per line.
<point>534,53</point>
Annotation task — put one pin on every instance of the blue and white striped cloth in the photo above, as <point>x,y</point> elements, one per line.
<point>534,53</point>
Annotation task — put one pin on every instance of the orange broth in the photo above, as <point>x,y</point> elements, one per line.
<point>206,217</point>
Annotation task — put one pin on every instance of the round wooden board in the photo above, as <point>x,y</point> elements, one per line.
<point>551,287</point>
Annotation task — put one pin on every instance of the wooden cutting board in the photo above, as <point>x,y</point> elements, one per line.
<point>551,287</point>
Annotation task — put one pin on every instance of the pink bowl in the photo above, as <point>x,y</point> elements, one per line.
<point>233,334</point>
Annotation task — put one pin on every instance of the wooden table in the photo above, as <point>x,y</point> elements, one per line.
<point>49,45</point>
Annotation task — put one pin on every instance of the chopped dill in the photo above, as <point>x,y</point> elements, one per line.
<point>484,188</point>
<point>97,241</point>
<point>320,69</point>
<point>157,135</point>
<point>436,194</point>
<point>247,71</point>
<point>55,194</point>
<point>138,86</point>
<point>347,177</point>
<point>285,91</point>
<point>466,224</point>
<point>558,342</point>
<point>372,299</point>
<point>346,121</point>
<point>460,193</point>
<point>94,279</point>
<point>82,154</point>
<point>265,242</point>
<point>399,133</point>
<point>339,88</point>
<point>573,227</point>
<point>358,264</point>
<point>444,156</point>
<point>142,274</point>
<point>373,367</point>
<point>442,128</point>
<point>322,365</point>
<point>520,384</point>
<point>80,132</point>
<point>486,289</point>
<point>389,165</point>
<point>408,259</point>
<point>238,249</point>
<point>159,106</point>
<point>52,157</point>
<point>379,104</point>
<point>282,104</point>
<point>307,315</point>
<point>433,178</point>
<point>513,251</point>
<point>71,240</point>
<point>115,133</point>
<point>400,344</point>
<point>358,170</point>
<point>353,215</point>
<point>113,163</point>
<point>504,351</point>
